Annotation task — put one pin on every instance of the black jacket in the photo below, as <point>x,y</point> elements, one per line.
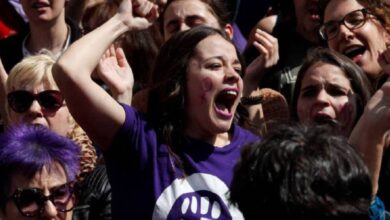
<point>94,197</point>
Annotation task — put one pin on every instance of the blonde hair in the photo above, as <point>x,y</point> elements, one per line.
<point>30,71</point>
<point>35,70</point>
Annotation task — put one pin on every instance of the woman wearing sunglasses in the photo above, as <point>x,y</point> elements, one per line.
<point>360,29</point>
<point>34,98</point>
<point>38,170</point>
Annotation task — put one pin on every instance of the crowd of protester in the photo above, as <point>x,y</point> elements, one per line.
<point>194,109</point>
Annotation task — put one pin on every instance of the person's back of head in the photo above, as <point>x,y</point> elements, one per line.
<point>302,172</point>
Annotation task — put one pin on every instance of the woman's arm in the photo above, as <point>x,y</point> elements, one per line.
<point>3,95</point>
<point>268,48</point>
<point>369,134</point>
<point>95,110</point>
<point>116,72</point>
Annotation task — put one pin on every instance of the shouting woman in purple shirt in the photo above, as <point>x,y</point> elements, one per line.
<point>175,162</point>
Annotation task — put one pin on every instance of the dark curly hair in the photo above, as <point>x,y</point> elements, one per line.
<point>300,172</point>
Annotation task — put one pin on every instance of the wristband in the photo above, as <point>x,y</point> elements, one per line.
<point>252,100</point>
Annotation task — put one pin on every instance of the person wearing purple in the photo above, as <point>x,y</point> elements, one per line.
<point>176,161</point>
<point>38,169</point>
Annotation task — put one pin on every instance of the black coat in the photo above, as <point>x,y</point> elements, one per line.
<point>94,197</point>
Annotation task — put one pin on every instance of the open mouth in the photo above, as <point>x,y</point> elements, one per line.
<point>225,101</point>
<point>313,10</point>
<point>323,119</point>
<point>354,51</point>
<point>38,5</point>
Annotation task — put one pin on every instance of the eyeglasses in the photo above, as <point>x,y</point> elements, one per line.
<point>353,20</point>
<point>30,201</point>
<point>21,100</point>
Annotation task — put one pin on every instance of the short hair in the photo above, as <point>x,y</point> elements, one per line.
<point>26,149</point>
<point>32,70</point>
<point>301,172</point>
<point>358,79</point>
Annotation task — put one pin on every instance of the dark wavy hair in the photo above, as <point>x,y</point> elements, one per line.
<point>166,103</point>
<point>300,172</point>
<point>358,79</point>
<point>26,149</point>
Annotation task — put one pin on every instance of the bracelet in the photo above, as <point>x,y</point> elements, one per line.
<point>252,100</point>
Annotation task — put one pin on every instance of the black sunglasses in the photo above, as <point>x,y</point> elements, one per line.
<point>21,100</point>
<point>30,202</point>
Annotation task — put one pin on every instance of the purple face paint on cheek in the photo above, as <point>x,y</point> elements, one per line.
<point>345,113</point>
<point>207,86</point>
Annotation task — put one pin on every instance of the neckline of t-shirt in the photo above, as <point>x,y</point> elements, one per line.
<point>202,144</point>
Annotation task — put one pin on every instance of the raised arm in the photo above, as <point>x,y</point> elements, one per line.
<point>369,134</point>
<point>3,80</point>
<point>95,110</point>
<point>268,47</point>
<point>116,72</point>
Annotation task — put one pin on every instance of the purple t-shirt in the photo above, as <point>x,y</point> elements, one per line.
<point>146,183</point>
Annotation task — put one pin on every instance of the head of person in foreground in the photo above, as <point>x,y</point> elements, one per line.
<point>37,171</point>
<point>302,172</point>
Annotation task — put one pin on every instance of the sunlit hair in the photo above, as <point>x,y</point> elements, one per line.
<point>300,172</point>
<point>27,149</point>
<point>358,79</point>
<point>35,70</point>
<point>29,72</point>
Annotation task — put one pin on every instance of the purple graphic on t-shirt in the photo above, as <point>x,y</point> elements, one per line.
<point>145,185</point>
<point>201,204</point>
<point>198,196</point>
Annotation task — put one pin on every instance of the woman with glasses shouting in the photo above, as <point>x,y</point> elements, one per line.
<point>360,29</point>
<point>38,169</point>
